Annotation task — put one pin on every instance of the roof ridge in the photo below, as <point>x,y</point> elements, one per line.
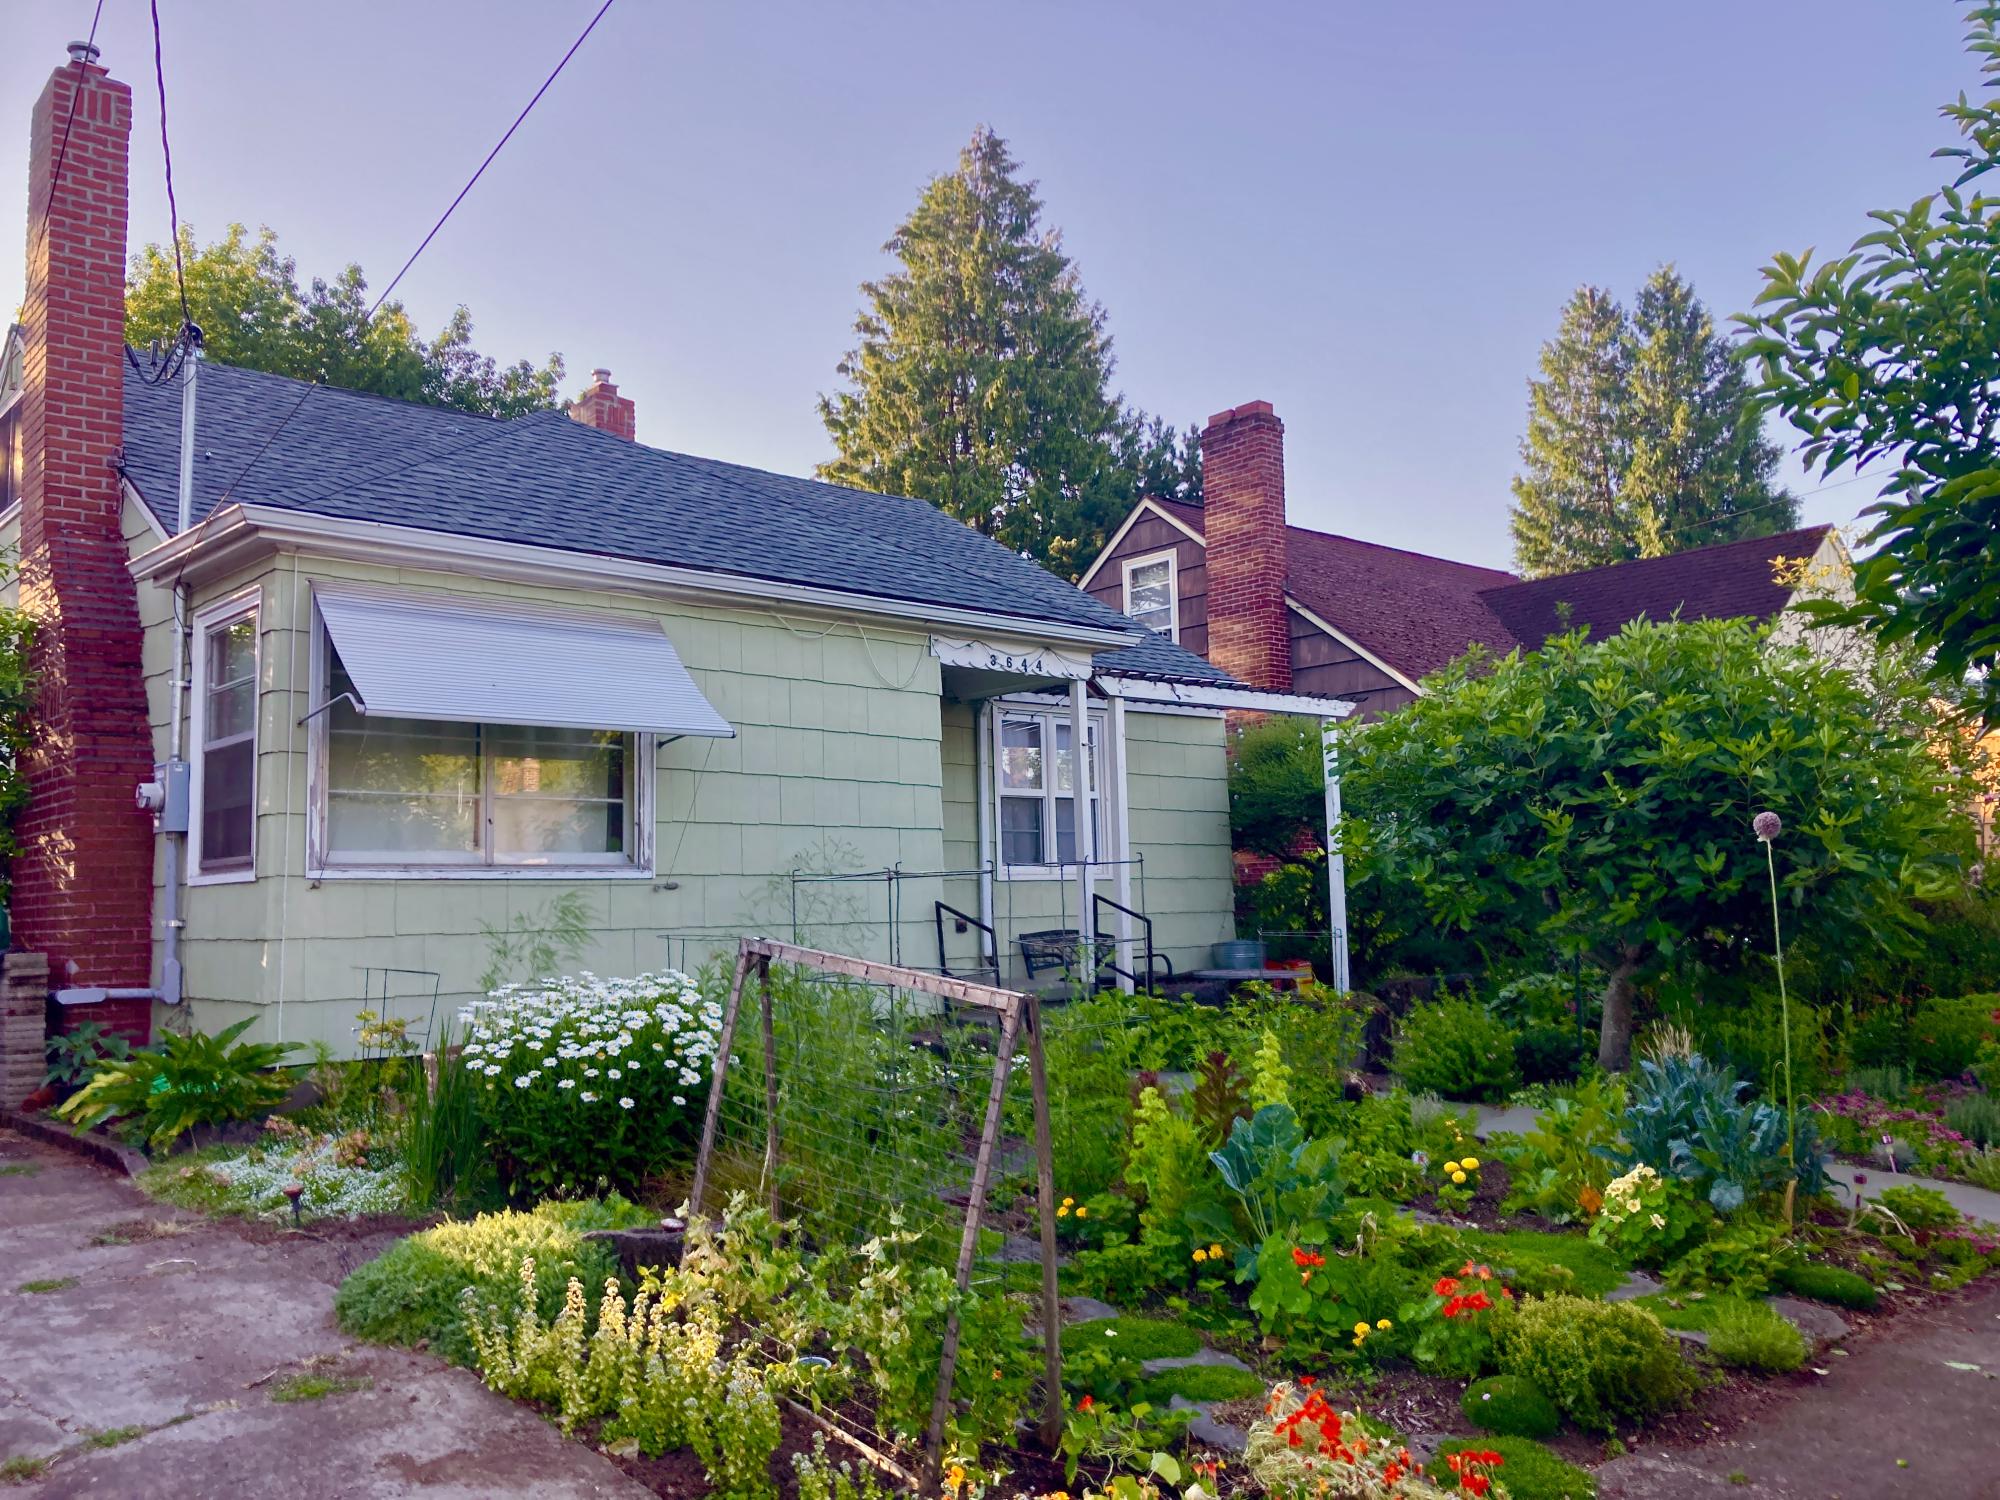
<point>1626,562</point>
<point>348,390</point>
<point>1431,557</point>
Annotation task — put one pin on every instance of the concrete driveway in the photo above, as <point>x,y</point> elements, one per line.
<point>142,1352</point>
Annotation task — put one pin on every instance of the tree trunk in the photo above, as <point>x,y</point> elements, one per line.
<point>1614,1042</point>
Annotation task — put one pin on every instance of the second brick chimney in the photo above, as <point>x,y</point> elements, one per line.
<point>1243,483</point>
<point>83,879</point>
<point>601,406</point>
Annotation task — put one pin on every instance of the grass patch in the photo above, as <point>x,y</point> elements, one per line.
<point>20,1169</point>
<point>1527,1469</point>
<point>314,1386</point>
<point>1134,1338</point>
<point>138,1231</point>
<point>1200,1383</point>
<point>20,1469</point>
<point>55,1284</point>
<point>1593,1269</point>
<point>111,1437</point>
<point>1679,1310</point>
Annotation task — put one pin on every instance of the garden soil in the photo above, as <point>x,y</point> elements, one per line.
<point>150,1364</point>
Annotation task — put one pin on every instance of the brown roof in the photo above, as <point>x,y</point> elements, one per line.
<point>1417,612</point>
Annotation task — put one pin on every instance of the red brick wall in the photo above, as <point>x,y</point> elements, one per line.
<point>601,406</point>
<point>83,878</point>
<point>1243,480</point>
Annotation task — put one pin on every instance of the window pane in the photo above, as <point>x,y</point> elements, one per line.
<point>1021,831</point>
<point>226,814</point>
<point>1021,754</point>
<point>1149,592</point>
<point>1065,767</point>
<point>557,791</point>
<point>231,686</point>
<point>399,787</point>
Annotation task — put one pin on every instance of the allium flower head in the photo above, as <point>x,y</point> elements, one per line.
<point>1767,825</point>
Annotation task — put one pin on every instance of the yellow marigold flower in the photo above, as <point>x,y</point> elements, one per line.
<point>1215,1252</point>
<point>1083,1211</point>
<point>1063,1212</point>
<point>1200,1256</point>
<point>1361,1330</point>
<point>1471,1164</point>
<point>1067,1202</point>
<point>1458,1177</point>
<point>1384,1323</point>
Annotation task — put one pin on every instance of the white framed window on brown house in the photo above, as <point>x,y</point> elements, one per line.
<point>1152,592</point>
<point>222,810</point>
<point>1034,775</point>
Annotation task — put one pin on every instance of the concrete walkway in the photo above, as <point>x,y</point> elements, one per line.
<point>1975,1203</point>
<point>146,1364</point>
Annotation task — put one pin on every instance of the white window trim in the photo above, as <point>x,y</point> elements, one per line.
<point>1171,556</point>
<point>249,604</point>
<point>1053,711</point>
<point>644,775</point>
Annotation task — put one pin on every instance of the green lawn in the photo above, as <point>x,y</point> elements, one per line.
<point>1596,1269</point>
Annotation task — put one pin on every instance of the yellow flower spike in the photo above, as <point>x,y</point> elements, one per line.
<point>1471,1164</point>
<point>1458,1177</point>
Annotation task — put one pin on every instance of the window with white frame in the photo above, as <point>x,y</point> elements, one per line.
<point>432,792</point>
<point>1035,787</point>
<point>1152,593</point>
<point>225,740</point>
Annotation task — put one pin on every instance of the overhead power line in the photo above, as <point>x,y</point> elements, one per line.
<point>395,281</point>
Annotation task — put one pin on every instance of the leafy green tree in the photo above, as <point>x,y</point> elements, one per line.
<point>1595,797</point>
<point>252,311</point>
<point>982,377</point>
<point>1277,787</point>
<point>1888,359</point>
<point>1643,437</point>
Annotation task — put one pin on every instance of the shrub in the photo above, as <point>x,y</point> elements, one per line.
<point>1509,1405</point>
<point>1751,1336</point>
<point>1891,1085</point>
<point>1743,1260</point>
<point>1599,1362</point>
<point>1548,1054</point>
<point>410,1293</point>
<point>1920,1208</point>
<point>1558,1167</point>
<point>1976,1117</point>
<point>1824,1283</point>
<point>1647,1219</point>
<point>1982,1169</point>
<point>588,1081</point>
<point>1946,1035</point>
<point>1527,1469</point>
<point>1457,1049</point>
<point>186,1081</point>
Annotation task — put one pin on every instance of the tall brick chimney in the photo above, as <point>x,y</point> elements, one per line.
<point>83,879</point>
<point>601,406</point>
<point>1243,483</point>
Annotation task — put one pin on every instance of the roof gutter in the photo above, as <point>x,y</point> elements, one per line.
<point>1205,695</point>
<point>231,535</point>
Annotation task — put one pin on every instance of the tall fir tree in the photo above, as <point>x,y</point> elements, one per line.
<point>982,379</point>
<point>1642,437</point>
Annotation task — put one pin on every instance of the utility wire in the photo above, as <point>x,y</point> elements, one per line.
<point>62,152</point>
<point>167,151</point>
<point>396,280</point>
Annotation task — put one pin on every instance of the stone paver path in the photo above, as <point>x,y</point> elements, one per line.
<point>148,1365</point>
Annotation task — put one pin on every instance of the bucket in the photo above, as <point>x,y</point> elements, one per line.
<point>1239,953</point>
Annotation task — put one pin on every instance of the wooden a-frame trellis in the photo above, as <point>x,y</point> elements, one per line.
<point>1019,1017</point>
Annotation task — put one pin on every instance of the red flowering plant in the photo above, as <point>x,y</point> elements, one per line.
<point>1473,1468</point>
<point>1304,1448</point>
<point>1457,1327</point>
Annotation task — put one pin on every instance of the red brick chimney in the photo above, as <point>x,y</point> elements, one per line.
<point>601,406</point>
<point>83,879</point>
<point>1243,484</point>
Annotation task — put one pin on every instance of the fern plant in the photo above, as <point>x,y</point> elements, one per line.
<point>187,1081</point>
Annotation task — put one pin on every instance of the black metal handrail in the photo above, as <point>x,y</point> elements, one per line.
<point>992,937</point>
<point>1098,902</point>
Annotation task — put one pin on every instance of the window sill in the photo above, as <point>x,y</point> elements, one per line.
<point>222,877</point>
<point>571,873</point>
<point>1047,872</point>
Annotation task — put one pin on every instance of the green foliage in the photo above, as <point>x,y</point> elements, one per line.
<point>1749,1039</point>
<point>1647,1219</point>
<point>1685,1121</point>
<point>1129,1272</point>
<point>1200,1383</point>
<point>186,1081</point>
<point>1891,1085</point>
<point>1169,1165</point>
<point>982,377</point>
<point>1642,438</point>
<point>17,699</point>
<point>1886,354</point>
<point>1743,1259</point>
<point>1824,1283</point>
<point>1976,1117</point>
<point>820,1478</point>
<point>1457,1049</point>
<point>1751,1336</point>
<point>1549,1054</point>
<point>445,1158</point>
<point>1600,1362</point>
<point>1594,797</point>
<point>1270,1079</point>
<point>1559,1164</point>
<point>1138,1339</point>
<point>313,1386</point>
<point>1287,1185</point>
<point>254,313</point>
<point>1945,1036</point>
<point>1540,1263</point>
<point>1510,1406</point>
<point>74,1054</point>
<point>1527,1469</point>
<point>411,1292</point>
<point>1277,786</point>
<point>1920,1208</point>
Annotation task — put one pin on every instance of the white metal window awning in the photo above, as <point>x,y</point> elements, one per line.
<point>1143,690</point>
<point>430,658</point>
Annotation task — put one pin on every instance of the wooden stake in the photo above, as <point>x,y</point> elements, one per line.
<point>717,1076</point>
<point>1045,1188</point>
<point>770,1088</point>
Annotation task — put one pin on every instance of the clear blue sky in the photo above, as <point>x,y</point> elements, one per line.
<point>1366,213</point>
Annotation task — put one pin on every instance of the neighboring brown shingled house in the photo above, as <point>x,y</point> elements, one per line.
<point>1231,580</point>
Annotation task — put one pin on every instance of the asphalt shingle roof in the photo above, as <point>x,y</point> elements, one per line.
<point>548,481</point>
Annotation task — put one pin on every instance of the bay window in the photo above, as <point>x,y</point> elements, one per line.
<point>1035,788</point>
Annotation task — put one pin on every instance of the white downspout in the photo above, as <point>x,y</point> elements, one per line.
<point>1336,862</point>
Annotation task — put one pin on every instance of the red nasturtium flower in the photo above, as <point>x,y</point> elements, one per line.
<point>1084,1403</point>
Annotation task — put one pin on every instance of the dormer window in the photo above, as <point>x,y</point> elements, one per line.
<point>1152,593</point>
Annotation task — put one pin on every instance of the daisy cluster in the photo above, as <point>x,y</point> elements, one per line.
<point>595,1041</point>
